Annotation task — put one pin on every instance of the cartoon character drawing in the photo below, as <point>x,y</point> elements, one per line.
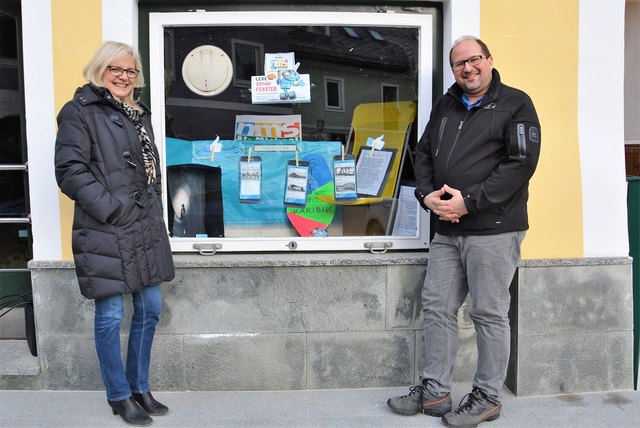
<point>286,80</point>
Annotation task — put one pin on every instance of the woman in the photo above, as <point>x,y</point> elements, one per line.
<point>107,162</point>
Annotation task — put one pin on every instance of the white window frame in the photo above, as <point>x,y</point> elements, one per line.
<point>340,82</point>
<point>423,22</point>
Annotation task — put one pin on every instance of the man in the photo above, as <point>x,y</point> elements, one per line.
<point>473,166</point>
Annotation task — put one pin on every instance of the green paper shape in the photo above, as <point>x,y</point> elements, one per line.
<point>317,210</point>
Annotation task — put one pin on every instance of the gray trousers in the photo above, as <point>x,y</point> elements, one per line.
<point>483,267</point>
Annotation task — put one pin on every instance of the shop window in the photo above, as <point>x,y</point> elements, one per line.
<point>300,152</point>
<point>334,93</point>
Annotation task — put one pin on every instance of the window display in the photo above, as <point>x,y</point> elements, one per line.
<point>271,163</point>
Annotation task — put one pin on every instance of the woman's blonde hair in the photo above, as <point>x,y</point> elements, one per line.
<point>108,52</point>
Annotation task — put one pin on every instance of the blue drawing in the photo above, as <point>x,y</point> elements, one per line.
<point>287,79</point>
<point>319,171</point>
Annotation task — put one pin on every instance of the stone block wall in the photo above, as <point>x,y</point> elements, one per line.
<point>240,322</point>
<point>572,327</point>
<point>343,320</point>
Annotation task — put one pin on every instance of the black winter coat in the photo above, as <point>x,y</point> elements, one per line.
<point>119,238</point>
<point>489,153</point>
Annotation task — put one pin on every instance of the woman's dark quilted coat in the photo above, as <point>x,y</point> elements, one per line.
<point>119,238</point>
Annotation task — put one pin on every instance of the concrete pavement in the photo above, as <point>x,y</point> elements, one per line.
<point>310,408</point>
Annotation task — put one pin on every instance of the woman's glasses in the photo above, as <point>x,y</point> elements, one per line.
<point>132,73</point>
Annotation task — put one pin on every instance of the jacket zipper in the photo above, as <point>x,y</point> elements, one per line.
<point>455,141</point>
<point>522,146</point>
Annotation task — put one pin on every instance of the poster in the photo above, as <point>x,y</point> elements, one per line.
<point>281,82</point>
<point>270,210</point>
<point>274,127</point>
<point>281,87</point>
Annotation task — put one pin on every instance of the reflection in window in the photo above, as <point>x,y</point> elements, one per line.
<point>248,58</point>
<point>351,32</point>
<point>377,36</point>
<point>334,93</point>
<point>15,250</point>
<point>389,93</point>
<point>12,191</point>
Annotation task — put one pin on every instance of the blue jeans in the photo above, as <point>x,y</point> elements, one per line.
<point>120,383</point>
<point>483,267</point>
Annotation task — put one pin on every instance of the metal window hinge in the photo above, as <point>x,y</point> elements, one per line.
<point>207,249</point>
<point>378,247</point>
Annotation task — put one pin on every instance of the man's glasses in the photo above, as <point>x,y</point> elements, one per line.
<point>473,61</point>
<point>132,73</point>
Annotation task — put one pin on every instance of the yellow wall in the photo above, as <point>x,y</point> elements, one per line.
<point>535,47</point>
<point>534,44</point>
<point>77,32</point>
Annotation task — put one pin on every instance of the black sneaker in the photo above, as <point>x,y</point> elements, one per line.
<point>420,399</point>
<point>478,408</point>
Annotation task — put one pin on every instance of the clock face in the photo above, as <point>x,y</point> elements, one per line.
<point>207,70</point>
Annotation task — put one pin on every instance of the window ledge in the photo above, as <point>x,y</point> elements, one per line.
<point>274,260</point>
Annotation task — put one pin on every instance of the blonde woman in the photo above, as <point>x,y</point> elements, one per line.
<point>107,163</point>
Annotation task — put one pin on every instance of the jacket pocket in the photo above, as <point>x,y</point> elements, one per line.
<point>525,139</point>
<point>129,213</point>
<point>522,140</point>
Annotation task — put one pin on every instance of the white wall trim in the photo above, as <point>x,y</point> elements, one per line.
<point>41,129</point>
<point>601,128</point>
<point>120,21</point>
<point>461,17</point>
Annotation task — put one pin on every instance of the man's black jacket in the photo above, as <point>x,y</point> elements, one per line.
<point>489,153</point>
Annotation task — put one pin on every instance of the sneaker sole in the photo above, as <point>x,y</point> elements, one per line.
<point>489,419</point>
<point>411,413</point>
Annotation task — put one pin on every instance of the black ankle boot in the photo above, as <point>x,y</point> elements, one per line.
<point>130,412</point>
<point>150,404</point>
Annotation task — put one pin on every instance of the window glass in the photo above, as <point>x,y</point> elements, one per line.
<point>11,151</point>
<point>10,98</point>
<point>15,250</point>
<point>12,189</point>
<point>305,99</point>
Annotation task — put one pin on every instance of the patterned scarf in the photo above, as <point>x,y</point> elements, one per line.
<point>148,155</point>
